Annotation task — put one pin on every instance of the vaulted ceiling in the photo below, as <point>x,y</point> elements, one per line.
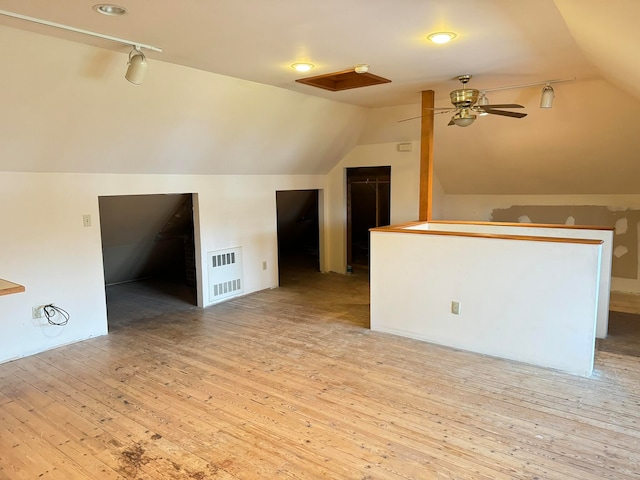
<point>587,143</point>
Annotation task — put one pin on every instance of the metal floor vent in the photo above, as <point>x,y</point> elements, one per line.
<point>225,273</point>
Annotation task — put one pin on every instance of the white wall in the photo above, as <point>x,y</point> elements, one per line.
<point>480,207</point>
<point>528,301</point>
<point>438,200</point>
<point>405,192</point>
<point>46,248</point>
<point>606,236</point>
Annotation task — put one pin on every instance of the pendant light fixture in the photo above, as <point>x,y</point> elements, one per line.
<point>546,100</point>
<point>137,66</point>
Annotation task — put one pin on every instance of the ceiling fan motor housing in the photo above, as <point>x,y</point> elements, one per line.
<point>465,97</point>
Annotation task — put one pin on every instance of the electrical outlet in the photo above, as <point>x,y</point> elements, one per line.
<point>36,312</point>
<point>455,307</point>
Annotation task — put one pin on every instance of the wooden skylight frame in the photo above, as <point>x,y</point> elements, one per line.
<point>345,80</point>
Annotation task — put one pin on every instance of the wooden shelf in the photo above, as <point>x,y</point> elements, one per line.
<point>7,287</point>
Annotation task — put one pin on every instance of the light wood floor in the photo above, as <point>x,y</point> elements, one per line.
<point>290,383</point>
<point>624,302</point>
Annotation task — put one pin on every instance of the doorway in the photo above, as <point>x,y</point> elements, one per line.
<point>298,231</point>
<point>368,206</point>
<point>148,250</point>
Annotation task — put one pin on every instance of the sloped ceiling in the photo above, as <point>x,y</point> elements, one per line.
<point>214,123</point>
<point>68,109</point>
<point>607,33</point>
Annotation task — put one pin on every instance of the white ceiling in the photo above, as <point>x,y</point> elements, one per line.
<point>502,42</point>
<point>586,144</point>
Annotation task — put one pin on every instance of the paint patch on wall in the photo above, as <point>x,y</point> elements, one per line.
<point>625,222</point>
<point>622,226</point>
<point>570,220</point>
<point>620,251</point>
<point>524,219</point>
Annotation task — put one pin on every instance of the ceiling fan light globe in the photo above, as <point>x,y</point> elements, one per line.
<point>464,121</point>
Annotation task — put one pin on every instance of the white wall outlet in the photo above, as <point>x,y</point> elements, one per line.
<point>86,220</point>
<point>264,265</point>
<point>36,312</point>
<point>455,307</point>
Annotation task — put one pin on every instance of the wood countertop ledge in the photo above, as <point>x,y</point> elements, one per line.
<point>7,287</point>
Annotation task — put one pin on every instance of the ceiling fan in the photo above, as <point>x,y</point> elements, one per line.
<point>468,103</point>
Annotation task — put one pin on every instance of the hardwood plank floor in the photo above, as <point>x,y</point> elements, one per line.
<point>624,302</point>
<point>291,383</point>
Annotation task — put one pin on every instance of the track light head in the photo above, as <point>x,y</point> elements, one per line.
<point>137,66</point>
<point>483,100</point>
<point>546,100</point>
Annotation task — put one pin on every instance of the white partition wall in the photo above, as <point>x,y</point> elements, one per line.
<point>527,300</point>
<point>565,231</point>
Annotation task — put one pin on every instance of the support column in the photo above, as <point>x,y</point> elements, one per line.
<point>426,156</point>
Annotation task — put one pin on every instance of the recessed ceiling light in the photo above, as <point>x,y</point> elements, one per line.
<point>442,37</point>
<point>302,67</point>
<point>111,10</point>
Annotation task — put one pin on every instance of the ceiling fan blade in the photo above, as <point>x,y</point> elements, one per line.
<point>450,123</point>
<point>502,105</point>
<point>412,118</point>
<point>504,113</point>
<point>444,110</point>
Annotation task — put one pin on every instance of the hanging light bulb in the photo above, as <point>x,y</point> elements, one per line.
<point>546,100</point>
<point>137,66</point>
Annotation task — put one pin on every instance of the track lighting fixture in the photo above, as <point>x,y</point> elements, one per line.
<point>137,66</point>
<point>546,100</point>
<point>482,101</point>
<point>137,60</point>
